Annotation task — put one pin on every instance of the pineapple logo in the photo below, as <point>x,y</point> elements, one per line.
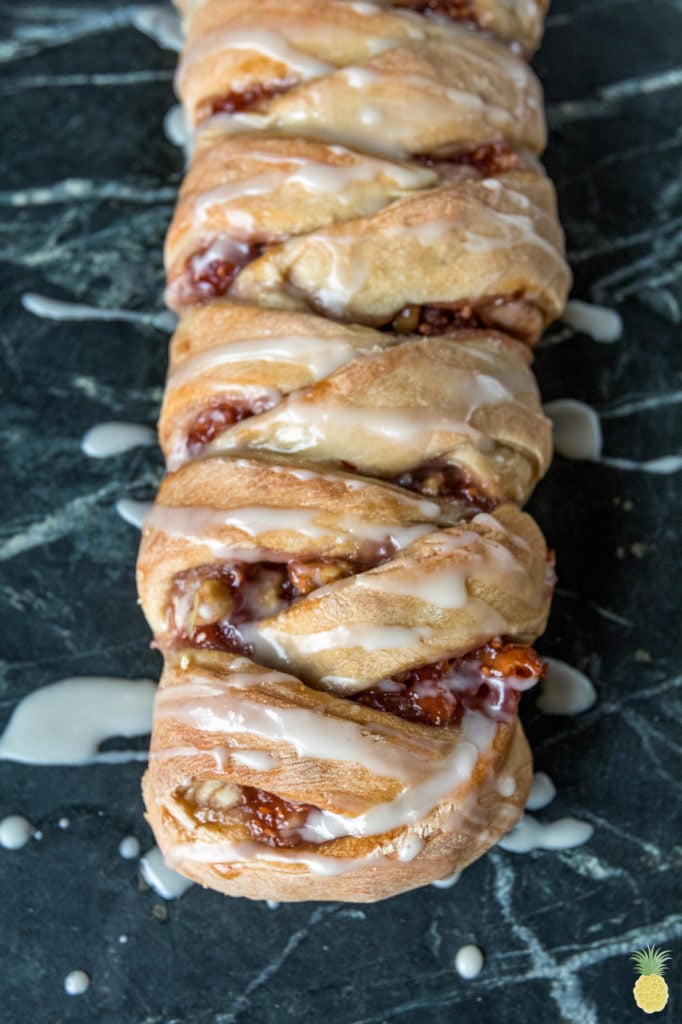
<point>651,991</point>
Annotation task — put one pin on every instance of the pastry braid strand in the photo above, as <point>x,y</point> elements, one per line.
<point>337,569</point>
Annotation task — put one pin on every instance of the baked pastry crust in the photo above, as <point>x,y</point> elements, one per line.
<point>464,818</point>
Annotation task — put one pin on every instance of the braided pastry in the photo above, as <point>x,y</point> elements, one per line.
<point>336,569</point>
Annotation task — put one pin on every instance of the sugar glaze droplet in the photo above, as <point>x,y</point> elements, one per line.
<point>15,832</point>
<point>542,792</point>
<point>469,962</point>
<point>76,983</point>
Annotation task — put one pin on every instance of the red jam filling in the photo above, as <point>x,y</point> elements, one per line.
<point>488,160</point>
<point>490,680</point>
<point>217,417</point>
<point>509,313</point>
<point>449,482</point>
<point>458,10</point>
<point>239,100</point>
<point>211,605</point>
<point>208,278</point>
<point>272,820</point>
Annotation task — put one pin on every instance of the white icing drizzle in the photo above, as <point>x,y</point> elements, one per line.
<point>161,25</point>
<point>312,734</point>
<point>165,882</point>
<point>542,792</point>
<point>56,309</point>
<point>564,690</point>
<point>530,835</point>
<point>320,356</point>
<point>577,435</point>
<point>129,847</point>
<point>269,44</point>
<point>256,760</point>
<point>230,853</point>
<point>133,512</point>
<point>469,962</point>
<point>113,438</point>
<point>178,129</point>
<point>600,323</point>
<point>506,785</point>
<point>76,983</point>
<point>298,424</point>
<point>15,832</point>
<point>447,883</point>
<point>576,429</point>
<point>65,722</point>
<point>272,904</point>
<point>196,525</point>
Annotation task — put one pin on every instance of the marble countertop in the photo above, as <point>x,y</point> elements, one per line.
<point>88,189</point>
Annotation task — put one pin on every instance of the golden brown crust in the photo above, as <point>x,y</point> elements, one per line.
<point>465,820</point>
<point>469,87</point>
<point>374,165</point>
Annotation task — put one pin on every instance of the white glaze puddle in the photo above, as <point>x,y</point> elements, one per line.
<point>66,722</point>
<point>76,983</point>
<point>529,834</point>
<point>178,130</point>
<point>165,882</point>
<point>159,24</point>
<point>129,847</point>
<point>55,309</point>
<point>133,512</point>
<point>598,322</point>
<point>578,435</point>
<point>447,883</point>
<point>15,832</point>
<point>542,792</point>
<point>576,429</point>
<point>272,904</point>
<point>469,962</point>
<point>113,438</point>
<point>565,690</point>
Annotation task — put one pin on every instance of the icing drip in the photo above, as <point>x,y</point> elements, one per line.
<point>107,439</point>
<point>133,512</point>
<point>162,26</point>
<point>565,690</point>
<point>530,834</point>
<point>542,792</point>
<point>165,882</point>
<point>66,722</point>
<point>56,309</point>
<point>600,323</point>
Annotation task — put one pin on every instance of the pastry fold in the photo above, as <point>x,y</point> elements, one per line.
<point>337,569</point>
<point>386,805</point>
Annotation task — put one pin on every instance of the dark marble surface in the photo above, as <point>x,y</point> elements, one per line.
<point>86,192</point>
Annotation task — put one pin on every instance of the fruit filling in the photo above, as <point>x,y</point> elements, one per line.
<point>489,680</point>
<point>440,480</point>
<point>213,606</point>
<point>458,10</point>
<point>487,160</point>
<point>237,101</point>
<point>219,415</point>
<point>210,271</point>
<point>509,313</point>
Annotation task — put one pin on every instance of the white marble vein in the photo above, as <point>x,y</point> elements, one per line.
<point>84,189</point>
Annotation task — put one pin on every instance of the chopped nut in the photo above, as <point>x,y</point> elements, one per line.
<point>213,793</point>
<point>307,576</point>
